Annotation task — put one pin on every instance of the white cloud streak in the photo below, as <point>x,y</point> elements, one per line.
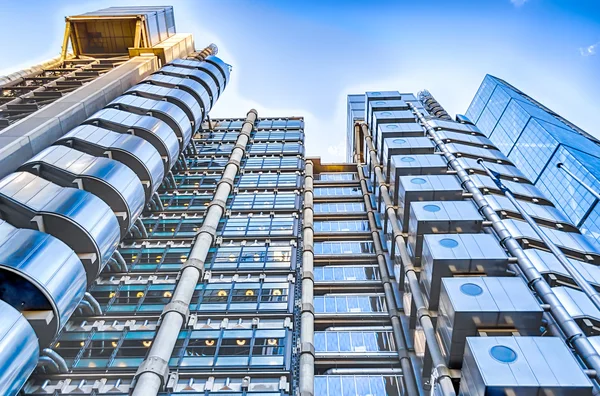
<point>518,3</point>
<point>589,50</point>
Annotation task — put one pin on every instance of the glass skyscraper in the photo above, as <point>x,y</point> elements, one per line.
<point>536,140</point>
<point>149,249</point>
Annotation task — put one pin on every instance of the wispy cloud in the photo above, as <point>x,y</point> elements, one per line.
<point>518,3</point>
<point>589,50</point>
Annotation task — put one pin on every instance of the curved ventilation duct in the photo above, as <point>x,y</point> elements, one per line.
<point>432,106</point>
<point>63,213</point>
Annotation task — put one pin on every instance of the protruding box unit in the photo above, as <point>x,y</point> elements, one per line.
<point>448,255</point>
<point>396,146</point>
<point>406,165</point>
<point>444,217</point>
<point>521,366</point>
<point>397,130</point>
<point>471,304</point>
<point>425,188</point>
<point>581,308</point>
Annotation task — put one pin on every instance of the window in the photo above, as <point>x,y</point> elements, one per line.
<point>343,273</point>
<point>339,207</point>
<point>275,148</point>
<point>243,296</point>
<point>259,226</point>
<point>182,202</point>
<point>172,227</point>
<point>337,191</point>
<point>349,303</point>
<point>265,201</point>
<point>359,385</point>
<point>260,163</point>
<point>256,256</point>
<point>263,136</point>
<point>345,176</point>
<point>269,180</point>
<point>355,341</point>
<point>214,148</point>
<point>341,226</point>
<point>153,259</point>
<point>197,181</point>
<point>206,163</point>
<point>344,247</point>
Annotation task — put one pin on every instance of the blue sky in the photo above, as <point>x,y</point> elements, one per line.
<point>303,58</point>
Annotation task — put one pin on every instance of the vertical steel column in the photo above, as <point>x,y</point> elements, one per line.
<point>440,372</point>
<point>575,336</point>
<point>405,362</point>
<point>153,372</point>
<point>307,319</point>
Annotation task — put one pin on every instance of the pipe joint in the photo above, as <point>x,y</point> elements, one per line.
<point>178,306</point>
<point>307,347</point>
<point>154,365</point>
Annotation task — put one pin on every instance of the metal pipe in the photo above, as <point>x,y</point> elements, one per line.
<point>158,202</point>
<point>47,363</point>
<point>120,261</point>
<point>152,373</point>
<point>588,289</point>
<point>140,225</point>
<point>307,316</point>
<point>97,309</point>
<point>135,232</point>
<point>362,371</point>
<point>56,358</point>
<point>399,335</point>
<point>584,184</point>
<point>440,371</point>
<point>575,336</point>
<point>86,308</point>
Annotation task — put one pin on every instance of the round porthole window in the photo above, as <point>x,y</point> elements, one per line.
<point>418,180</point>
<point>391,126</point>
<point>376,93</point>
<point>432,208</point>
<point>380,102</point>
<point>399,141</point>
<point>408,159</point>
<point>386,113</point>
<point>503,354</point>
<point>471,289</point>
<point>448,242</point>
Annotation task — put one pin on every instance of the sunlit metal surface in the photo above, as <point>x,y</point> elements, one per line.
<point>19,350</point>
<point>39,272</point>
<point>198,75</point>
<point>138,154</point>
<point>194,88</point>
<point>207,67</point>
<point>167,112</point>
<point>110,180</point>
<point>155,131</point>
<point>224,67</point>
<point>78,218</point>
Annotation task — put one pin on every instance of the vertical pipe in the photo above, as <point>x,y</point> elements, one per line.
<point>152,373</point>
<point>575,336</point>
<point>407,370</point>
<point>307,318</point>
<point>440,371</point>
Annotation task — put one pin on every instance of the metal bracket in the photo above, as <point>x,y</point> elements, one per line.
<point>177,306</point>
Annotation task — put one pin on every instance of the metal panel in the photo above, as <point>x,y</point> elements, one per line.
<point>384,105</point>
<point>425,188</point>
<point>409,145</point>
<point>198,75</point>
<point>390,117</point>
<point>149,128</point>
<point>578,305</point>
<point>572,244</point>
<point>405,165</point>
<point>192,87</point>
<point>438,125</point>
<point>521,366</point>
<point>469,304</point>
<point>462,150</point>
<point>39,272</point>
<point>79,219</point>
<point>547,263</point>
<point>470,140</point>
<point>223,67</point>
<point>133,151</point>
<point>440,217</point>
<point>167,112</point>
<point>179,97</point>
<point>448,255</point>
<point>109,180</point>
<point>505,171</point>
<point>19,350</point>
<point>548,216</point>
<point>524,191</point>
<point>207,67</point>
<point>397,130</point>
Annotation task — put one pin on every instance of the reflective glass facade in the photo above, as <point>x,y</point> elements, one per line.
<point>536,140</point>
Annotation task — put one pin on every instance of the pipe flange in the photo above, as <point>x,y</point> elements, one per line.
<point>218,202</point>
<point>308,275</point>
<point>177,306</point>
<point>227,180</point>
<point>249,123</point>
<point>155,365</point>
<point>208,229</point>
<point>194,262</point>
<point>239,146</point>
<point>307,347</point>
<point>308,307</point>
<point>235,162</point>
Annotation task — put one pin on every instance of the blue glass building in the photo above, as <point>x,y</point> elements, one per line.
<point>536,140</point>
